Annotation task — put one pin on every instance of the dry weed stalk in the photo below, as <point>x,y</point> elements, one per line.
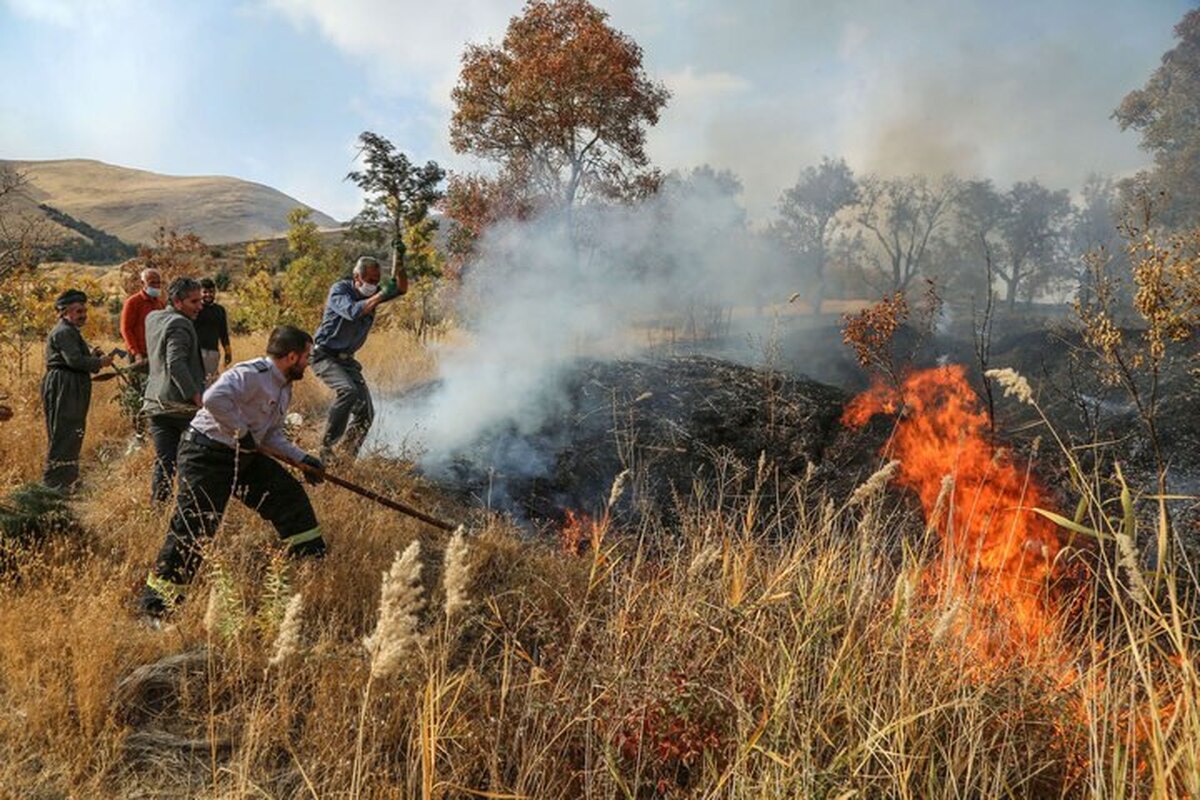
<point>457,574</point>
<point>875,484</point>
<point>1013,383</point>
<point>400,602</point>
<point>395,637</point>
<point>287,642</point>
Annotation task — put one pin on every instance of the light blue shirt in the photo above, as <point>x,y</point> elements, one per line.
<point>344,325</point>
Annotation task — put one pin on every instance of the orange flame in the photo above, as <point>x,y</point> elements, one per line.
<point>575,532</point>
<point>996,552</point>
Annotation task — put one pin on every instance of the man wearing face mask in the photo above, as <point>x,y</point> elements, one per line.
<point>347,319</point>
<point>133,330</point>
<point>218,458</point>
<point>137,307</point>
<point>67,389</point>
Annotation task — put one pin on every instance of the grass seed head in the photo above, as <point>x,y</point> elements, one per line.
<point>618,488</point>
<point>1013,383</point>
<point>874,484</point>
<point>704,559</point>
<point>401,600</point>
<point>457,575</point>
<point>287,642</point>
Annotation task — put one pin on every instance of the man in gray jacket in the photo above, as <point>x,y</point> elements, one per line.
<point>176,382</point>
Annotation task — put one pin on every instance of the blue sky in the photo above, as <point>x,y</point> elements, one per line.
<point>277,90</point>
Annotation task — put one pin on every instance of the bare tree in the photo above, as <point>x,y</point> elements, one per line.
<point>1033,232</point>
<point>1095,228</point>
<point>810,214</point>
<point>904,214</point>
<point>22,234</point>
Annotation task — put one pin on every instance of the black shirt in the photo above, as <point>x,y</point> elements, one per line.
<point>211,327</point>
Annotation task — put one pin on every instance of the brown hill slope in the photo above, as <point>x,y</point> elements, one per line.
<point>132,203</point>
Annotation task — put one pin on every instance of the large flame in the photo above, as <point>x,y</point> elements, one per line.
<point>998,556</point>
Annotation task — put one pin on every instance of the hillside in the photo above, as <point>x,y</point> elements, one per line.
<point>130,203</point>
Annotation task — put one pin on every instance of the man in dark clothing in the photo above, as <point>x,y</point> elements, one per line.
<point>176,381</point>
<point>67,390</point>
<point>244,410</point>
<point>212,326</point>
<point>347,319</point>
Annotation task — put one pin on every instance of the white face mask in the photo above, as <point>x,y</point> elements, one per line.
<point>368,289</point>
<point>150,290</point>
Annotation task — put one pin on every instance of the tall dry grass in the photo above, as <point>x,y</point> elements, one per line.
<point>804,655</point>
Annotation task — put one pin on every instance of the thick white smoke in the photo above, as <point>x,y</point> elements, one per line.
<point>539,298</point>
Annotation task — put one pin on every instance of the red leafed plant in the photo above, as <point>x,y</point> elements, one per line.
<point>666,736</point>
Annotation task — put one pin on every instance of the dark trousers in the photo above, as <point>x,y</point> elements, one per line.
<point>209,474</point>
<point>66,396</point>
<point>352,411</point>
<point>165,432</point>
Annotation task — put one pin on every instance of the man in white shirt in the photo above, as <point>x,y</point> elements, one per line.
<point>218,458</point>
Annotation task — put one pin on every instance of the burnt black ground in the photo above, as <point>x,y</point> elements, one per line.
<point>676,423</point>
<point>686,423</point>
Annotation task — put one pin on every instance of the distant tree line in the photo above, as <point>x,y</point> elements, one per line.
<point>879,233</point>
<point>96,246</point>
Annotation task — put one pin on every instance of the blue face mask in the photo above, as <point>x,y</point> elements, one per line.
<point>153,292</point>
<point>368,289</point>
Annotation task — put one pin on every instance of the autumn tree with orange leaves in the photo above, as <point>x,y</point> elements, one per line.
<point>475,203</point>
<point>562,104</point>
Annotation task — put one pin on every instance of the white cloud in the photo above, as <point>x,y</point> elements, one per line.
<point>406,51</point>
<point>405,46</point>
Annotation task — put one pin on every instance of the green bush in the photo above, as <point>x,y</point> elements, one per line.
<point>30,514</point>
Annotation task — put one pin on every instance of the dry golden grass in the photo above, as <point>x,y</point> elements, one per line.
<point>804,660</point>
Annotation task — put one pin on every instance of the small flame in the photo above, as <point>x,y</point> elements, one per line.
<point>575,533</point>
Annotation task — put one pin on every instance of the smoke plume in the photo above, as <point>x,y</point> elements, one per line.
<point>547,292</point>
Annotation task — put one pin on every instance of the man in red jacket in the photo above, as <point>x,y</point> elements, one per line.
<point>137,307</point>
<point>133,330</point>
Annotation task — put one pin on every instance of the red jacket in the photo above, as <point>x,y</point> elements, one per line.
<point>133,320</point>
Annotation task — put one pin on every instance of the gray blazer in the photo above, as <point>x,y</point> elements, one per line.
<point>176,369</point>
